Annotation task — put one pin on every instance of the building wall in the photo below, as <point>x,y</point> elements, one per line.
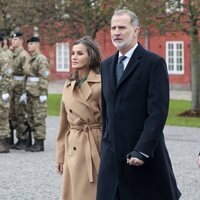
<point>155,44</point>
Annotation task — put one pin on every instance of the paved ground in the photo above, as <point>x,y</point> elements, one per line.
<point>31,176</point>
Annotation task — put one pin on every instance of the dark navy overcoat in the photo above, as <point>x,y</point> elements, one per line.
<point>134,114</point>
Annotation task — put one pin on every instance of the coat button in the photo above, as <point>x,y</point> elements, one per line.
<point>70,110</point>
<point>74,148</point>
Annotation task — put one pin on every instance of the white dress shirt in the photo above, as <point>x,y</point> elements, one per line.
<point>128,55</point>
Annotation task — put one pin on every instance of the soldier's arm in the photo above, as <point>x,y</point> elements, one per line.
<point>6,76</point>
<point>43,76</point>
<point>25,59</point>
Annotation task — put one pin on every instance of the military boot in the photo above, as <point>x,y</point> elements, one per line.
<point>38,146</point>
<point>28,148</point>
<point>4,147</point>
<point>22,145</point>
<point>16,144</point>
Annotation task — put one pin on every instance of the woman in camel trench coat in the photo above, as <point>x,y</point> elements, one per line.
<point>79,135</point>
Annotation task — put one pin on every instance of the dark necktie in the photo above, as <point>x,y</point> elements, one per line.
<point>120,68</point>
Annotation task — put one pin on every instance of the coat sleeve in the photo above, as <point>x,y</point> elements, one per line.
<point>157,108</point>
<point>60,141</point>
<point>103,105</point>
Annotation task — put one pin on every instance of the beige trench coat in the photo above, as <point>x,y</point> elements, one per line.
<point>79,136</point>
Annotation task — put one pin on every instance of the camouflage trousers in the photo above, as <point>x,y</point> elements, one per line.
<point>36,115</point>
<point>4,119</point>
<point>18,116</point>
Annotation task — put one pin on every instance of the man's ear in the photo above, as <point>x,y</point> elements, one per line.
<point>137,30</point>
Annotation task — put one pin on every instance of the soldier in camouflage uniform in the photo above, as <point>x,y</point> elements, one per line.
<point>9,53</point>
<point>18,113</point>
<point>5,77</point>
<point>6,47</point>
<point>36,90</point>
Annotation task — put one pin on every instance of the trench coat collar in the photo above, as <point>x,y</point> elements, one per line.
<point>85,87</point>
<point>130,68</point>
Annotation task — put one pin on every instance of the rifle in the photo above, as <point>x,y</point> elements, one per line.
<point>29,135</point>
<point>11,138</point>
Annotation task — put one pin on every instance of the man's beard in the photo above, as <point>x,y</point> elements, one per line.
<point>124,43</point>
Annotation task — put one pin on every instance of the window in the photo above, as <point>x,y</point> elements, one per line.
<point>62,57</point>
<point>175,57</point>
<point>174,6</point>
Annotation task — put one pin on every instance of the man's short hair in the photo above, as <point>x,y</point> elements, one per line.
<point>132,15</point>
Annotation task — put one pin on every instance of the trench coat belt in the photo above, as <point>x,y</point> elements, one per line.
<point>90,148</point>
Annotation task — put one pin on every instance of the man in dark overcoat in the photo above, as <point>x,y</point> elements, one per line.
<point>135,164</point>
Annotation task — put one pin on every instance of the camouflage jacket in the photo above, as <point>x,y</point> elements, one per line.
<point>20,64</point>
<point>37,75</point>
<point>8,52</point>
<point>20,61</point>
<point>5,72</point>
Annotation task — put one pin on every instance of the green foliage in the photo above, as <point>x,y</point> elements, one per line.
<point>54,104</point>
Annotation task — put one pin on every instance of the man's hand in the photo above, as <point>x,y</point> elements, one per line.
<point>136,158</point>
<point>134,161</point>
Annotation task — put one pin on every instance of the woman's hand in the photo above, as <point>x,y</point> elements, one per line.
<point>59,168</point>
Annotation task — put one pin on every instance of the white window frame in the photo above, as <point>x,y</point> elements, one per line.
<point>176,60</point>
<point>172,6</point>
<point>62,57</point>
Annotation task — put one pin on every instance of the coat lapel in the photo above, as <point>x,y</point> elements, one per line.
<point>82,94</point>
<point>86,89</point>
<point>132,64</point>
<point>112,71</point>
